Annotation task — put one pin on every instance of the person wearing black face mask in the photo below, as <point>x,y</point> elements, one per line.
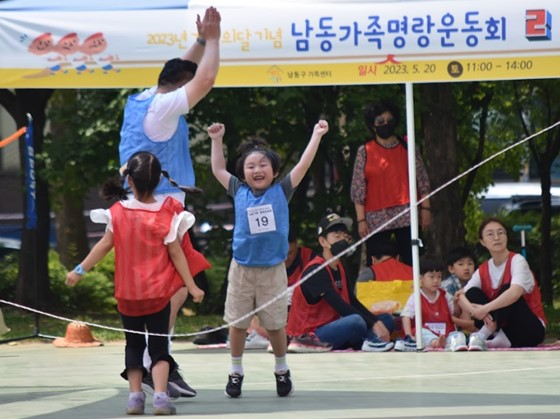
<point>326,306</point>
<point>380,188</point>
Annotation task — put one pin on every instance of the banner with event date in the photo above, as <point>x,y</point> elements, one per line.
<point>287,43</point>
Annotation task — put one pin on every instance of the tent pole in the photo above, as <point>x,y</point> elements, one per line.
<point>413,210</point>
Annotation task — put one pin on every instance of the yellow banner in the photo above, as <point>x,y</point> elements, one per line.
<point>306,74</point>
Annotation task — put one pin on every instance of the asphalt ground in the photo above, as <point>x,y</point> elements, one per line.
<point>39,380</point>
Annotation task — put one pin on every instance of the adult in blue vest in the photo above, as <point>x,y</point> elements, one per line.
<point>154,121</point>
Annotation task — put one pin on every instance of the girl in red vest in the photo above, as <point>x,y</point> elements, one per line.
<point>503,296</point>
<point>380,183</point>
<point>150,266</point>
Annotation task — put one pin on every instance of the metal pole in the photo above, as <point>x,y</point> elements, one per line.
<point>413,211</point>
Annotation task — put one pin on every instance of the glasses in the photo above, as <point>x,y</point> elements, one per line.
<point>495,234</point>
<point>379,120</point>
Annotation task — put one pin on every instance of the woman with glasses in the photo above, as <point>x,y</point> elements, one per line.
<point>502,296</point>
<point>380,188</point>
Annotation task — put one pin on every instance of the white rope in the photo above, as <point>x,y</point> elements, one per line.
<point>310,274</point>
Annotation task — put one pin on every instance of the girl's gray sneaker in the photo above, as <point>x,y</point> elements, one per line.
<point>162,405</point>
<point>136,403</point>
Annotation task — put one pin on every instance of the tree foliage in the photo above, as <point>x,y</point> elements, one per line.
<point>458,126</point>
<point>81,152</point>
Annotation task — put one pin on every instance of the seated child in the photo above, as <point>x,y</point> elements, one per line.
<point>437,309</point>
<point>386,266</point>
<point>461,266</point>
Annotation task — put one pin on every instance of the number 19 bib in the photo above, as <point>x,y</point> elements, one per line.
<point>261,219</point>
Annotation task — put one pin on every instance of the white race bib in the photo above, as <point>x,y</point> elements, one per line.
<point>261,219</point>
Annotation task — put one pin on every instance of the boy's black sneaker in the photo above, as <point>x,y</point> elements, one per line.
<point>233,387</point>
<point>178,383</point>
<point>284,385</point>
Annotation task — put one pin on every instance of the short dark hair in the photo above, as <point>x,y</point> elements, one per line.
<point>430,264</point>
<point>459,253</point>
<point>375,109</point>
<point>255,145</point>
<point>388,248</point>
<point>488,221</point>
<point>176,71</point>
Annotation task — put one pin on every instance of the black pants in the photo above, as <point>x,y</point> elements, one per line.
<point>518,322</point>
<point>403,240</point>
<point>158,346</point>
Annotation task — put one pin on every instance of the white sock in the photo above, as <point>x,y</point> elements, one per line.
<point>500,340</point>
<point>236,365</point>
<point>484,332</point>
<point>280,365</point>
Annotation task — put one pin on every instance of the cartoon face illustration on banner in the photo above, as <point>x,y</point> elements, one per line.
<point>41,45</point>
<point>68,45</point>
<point>94,44</point>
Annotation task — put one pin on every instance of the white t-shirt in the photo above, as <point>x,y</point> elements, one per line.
<point>520,275</point>
<point>180,223</point>
<point>163,114</point>
<point>162,120</point>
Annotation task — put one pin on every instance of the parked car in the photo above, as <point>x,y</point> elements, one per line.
<point>517,196</point>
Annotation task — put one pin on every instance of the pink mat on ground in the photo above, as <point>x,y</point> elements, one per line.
<point>212,346</point>
<point>554,346</point>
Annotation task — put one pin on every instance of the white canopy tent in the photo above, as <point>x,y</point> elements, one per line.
<point>69,44</point>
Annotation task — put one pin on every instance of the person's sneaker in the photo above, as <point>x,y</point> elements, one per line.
<point>284,386</point>
<point>405,345</point>
<point>476,342</point>
<point>148,387</point>
<point>376,345</point>
<point>177,382</point>
<point>233,387</point>
<point>163,406</point>
<point>456,342</point>
<point>213,338</point>
<point>308,343</point>
<point>136,403</point>
<point>256,341</point>
<point>269,348</point>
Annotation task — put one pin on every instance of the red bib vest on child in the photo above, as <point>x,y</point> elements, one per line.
<point>305,255</point>
<point>304,317</point>
<point>145,277</point>
<point>392,269</point>
<point>437,312</point>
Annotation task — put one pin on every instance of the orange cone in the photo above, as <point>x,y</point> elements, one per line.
<point>78,335</point>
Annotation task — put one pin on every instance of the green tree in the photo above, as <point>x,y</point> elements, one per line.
<point>81,152</point>
<point>536,107</point>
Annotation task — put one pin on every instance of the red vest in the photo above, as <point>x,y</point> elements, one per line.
<point>304,317</point>
<point>196,260</point>
<point>437,312</point>
<point>305,256</point>
<point>145,277</point>
<point>391,269</point>
<point>386,174</point>
<point>533,298</point>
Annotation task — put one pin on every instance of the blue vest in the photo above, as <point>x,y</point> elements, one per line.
<point>174,154</point>
<point>256,242</point>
